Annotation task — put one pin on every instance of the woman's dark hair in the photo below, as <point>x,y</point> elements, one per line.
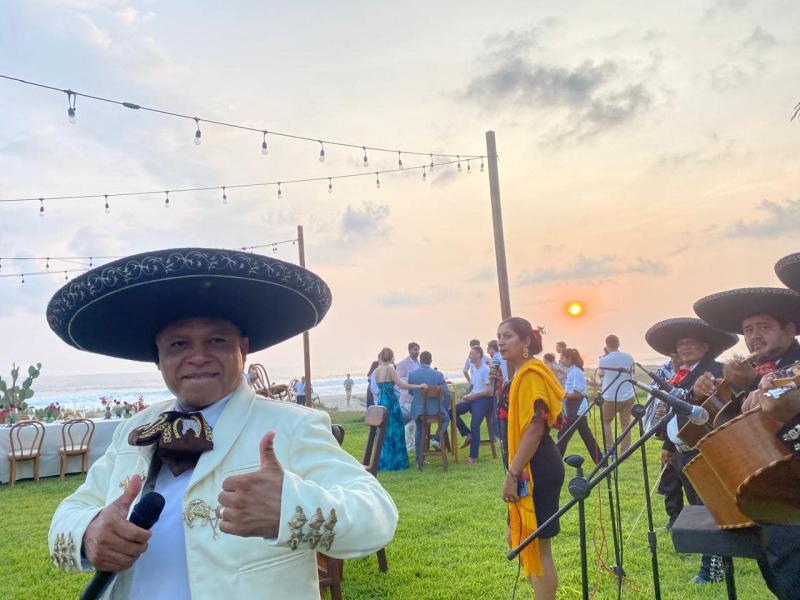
<point>549,357</point>
<point>523,329</point>
<point>573,356</point>
<point>386,355</point>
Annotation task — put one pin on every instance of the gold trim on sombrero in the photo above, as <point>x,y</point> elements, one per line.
<point>788,271</point>
<point>726,310</point>
<point>664,335</point>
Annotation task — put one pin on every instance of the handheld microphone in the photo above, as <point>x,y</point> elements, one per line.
<point>696,414</point>
<point>144,515</point>
<point>660,381</point>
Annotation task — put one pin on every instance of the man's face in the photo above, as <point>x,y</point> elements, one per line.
<point>201,360</point>
<point>560,347</point>
<point>763,334</point>
<point>413,352</point>
<point>691,350</point>
<point>474,357</point>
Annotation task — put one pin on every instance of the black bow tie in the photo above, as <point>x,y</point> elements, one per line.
<point>180,439</point>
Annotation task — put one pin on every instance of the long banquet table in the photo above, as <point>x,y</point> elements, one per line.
<point>48,463</point>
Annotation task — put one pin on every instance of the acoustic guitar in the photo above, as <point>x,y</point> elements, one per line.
<point>720,503</point>
<point>753,466</point>
<point>722,406</point>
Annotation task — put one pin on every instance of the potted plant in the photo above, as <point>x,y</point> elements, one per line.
<point>14,396</point>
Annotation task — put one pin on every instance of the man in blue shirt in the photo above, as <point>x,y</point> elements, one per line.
<point>432,377</point>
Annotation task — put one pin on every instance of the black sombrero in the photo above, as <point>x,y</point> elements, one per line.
<point>788,271</point>
<point>118,308</point>
<point>663,336</point>
<point>727,310</point>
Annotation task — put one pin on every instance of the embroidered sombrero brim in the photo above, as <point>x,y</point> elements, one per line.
<point>118,308</point>
<point>663,336</point>
<point>788,271</point>
<point>726,310</point>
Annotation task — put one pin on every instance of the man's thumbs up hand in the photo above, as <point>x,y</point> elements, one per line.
<point>250,504</point>
<point>111,542</point>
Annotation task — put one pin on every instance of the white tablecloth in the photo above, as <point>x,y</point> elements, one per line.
<point>48,463</point>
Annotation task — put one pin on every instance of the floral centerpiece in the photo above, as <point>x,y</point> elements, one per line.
<point>52,411</point>
<point>140,405</point>
<point>118,408</point>
<point>8,414</point>
<point>106,403</point>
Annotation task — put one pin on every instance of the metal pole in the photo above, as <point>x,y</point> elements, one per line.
<point>497,222</point>
<point>309,388</point>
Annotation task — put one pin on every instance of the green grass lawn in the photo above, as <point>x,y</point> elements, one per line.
<point>450,540</point>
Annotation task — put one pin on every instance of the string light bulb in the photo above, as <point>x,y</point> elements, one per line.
<point>366,162</point>
<point>469,170</point>
<point>274,248</point>
<point>66,277</point>
<point>108,209</point>
<point>264,149</point>
<point>399,160</point>
<point>41,207</point>
<point>459,164</point>
<point>47,263</point>
<point>321,151</point>
<point>166,199</point>
<point>224,195</point>
<point>90,262</point>
<point>330,186</point>
<point>377,180</point>
<point>23,279</point>
<point>481,164</point>
<point>71,97</point>
<point>424,174</point>
<point>280,193</point>
<point>198,135</point>
<point>431,165</point>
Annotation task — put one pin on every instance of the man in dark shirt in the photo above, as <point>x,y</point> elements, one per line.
<point>768,318</point>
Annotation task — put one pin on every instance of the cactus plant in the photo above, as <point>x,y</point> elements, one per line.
<point>17,395</point>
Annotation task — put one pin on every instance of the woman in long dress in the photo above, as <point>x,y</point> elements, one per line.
<point>532,486</point>
<point>394,456</point>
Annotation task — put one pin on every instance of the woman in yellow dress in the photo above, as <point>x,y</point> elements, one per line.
<point>531,402</point>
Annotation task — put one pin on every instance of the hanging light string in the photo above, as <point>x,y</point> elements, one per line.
<point>225,188</point>
<point>72,109</point>
<point>91,259</point>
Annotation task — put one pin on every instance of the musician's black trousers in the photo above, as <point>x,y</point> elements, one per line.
<point>671,488</point>
<point>572,406</point>
<point>781,563</point>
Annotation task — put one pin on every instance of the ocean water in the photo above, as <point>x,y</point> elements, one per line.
<point>83,392</point>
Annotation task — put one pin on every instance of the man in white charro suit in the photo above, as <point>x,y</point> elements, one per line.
<point>253,487</point>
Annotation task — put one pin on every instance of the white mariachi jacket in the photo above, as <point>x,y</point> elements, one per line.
<point>329,503</point>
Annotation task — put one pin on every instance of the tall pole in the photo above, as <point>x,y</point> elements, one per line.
<point>309,388</point>
<point>497,222</point>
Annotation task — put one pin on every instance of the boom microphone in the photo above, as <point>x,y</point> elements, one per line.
<point>662,383</point>
<point>144,515</point>
<point>696,414</point>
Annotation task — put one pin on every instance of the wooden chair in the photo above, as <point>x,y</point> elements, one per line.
<point>376,418</point>
<point>76,439</point>
<point>430,395</point>
<point>26,444</point>
<point>259,381</point>
<point>490,441</point>
<point>329,569</point>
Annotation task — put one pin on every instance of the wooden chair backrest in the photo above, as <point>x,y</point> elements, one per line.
<point>76,434</point>
<point>259,380</point>
<point>375,419</point>
<point>431,393</point>
<point>26,437</point>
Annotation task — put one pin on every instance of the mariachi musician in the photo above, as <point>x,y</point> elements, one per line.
<point>697,345</point>
<point>768,318</point>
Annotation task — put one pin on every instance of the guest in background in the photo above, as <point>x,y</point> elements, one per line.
<point>496,359</point>
<point>576,405</point>
<point>467,363</point>
<point>558,370</point>
<point>535,473</point>
<point>618,396</point>
<point>478,402</point>
<point>348,388</point>
<point>370,379</point>
<point>432,406</point>
<point>394,456</point>
<point>300,391</point>
<point>404,368</point>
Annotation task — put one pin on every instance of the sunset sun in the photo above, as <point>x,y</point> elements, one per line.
<point>575,309</point>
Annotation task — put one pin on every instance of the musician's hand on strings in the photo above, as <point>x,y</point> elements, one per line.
<point>753,399</point>
<point>704,386</point>
<point>782,409</point>
<point>739,375</point>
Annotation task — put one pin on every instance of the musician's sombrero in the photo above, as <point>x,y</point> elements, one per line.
<point>118,308</point>
<point>726,310</point>
<point>788,271</point>
<point>663,336</point>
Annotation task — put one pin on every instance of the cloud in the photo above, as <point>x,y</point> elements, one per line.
<point>746,61</point>
<point>395,298</point>
<point>711,150</point>
<point>782,218</point>
<point>592,95</point>
<point>590,269</point>
<point>760,39</point>
<point>97,36</point>
<point>724,7</point>
<point>366,222</point>
<point>484,274</point>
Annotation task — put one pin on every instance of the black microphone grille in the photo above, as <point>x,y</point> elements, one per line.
<point>148,510</point>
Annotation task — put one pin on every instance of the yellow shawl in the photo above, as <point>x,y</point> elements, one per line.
<point>533,381</point>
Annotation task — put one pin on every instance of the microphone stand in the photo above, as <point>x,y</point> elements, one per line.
<point>579,488</point>
<point>594,480</point>
<point>639,413</point>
